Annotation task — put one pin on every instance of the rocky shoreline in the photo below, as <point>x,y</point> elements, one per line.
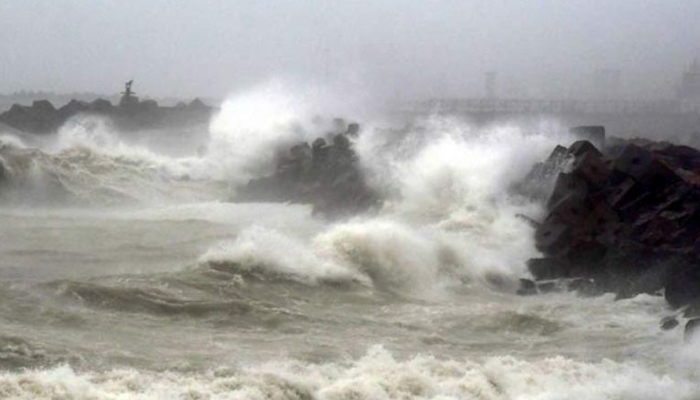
<point>324,173</point>
<point>131,113</point>
<point>623,217</point>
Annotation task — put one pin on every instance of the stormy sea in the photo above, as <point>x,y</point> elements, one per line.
<point>127,271</point>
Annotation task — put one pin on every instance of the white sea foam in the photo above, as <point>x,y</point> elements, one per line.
<point>377,375</point>
<point>255,125</point>
<point>450,215</point>
<point>264,249</point>
<point>449,211</point>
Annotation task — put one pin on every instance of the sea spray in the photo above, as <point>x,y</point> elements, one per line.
<point>256,125</point>
<point>377,375</point>
<point>270,252</point>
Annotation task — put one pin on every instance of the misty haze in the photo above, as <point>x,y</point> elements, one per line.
<point>349,199</point>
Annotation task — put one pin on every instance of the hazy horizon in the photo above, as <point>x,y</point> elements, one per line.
<point>387,50</point>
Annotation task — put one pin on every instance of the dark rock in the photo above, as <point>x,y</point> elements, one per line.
<point>197,105</point>
<point>591,168</point>
<point>692,310</point>
<point>43,107</point>
<point>571,209</point>
<point>101,106</point>
<point>341,142</point>
<point>683,286</point>
<point>568,185</point>
<point>328,177</point>
<point>594,134</point>
<point>691,329</point>
<point>536,184</point>
<point>41,117</point>
<point>353,130</point>
<point>553,236</point>
<point>641,165</point>
<point>531,221</point>
<point>627,222</point>
<point>547,268</point>
<point>131,114</point>
<point>584,148</point>
<point>527,288</point>
<point>625,192</point>
<point>668,323</point>
<point>548,287</point>
<point>3,173</point>
<point>633,161</point>
<point>583,287</point>
<point>74,107</point>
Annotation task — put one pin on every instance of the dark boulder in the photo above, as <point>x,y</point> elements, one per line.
<point>553,236</point>
<point>627,220</point>
<point>40,117</point>
<point>3,173</point>
<point>668,323</point>
<point>74,107</point>
<point>101,106</point>
<point>691,329</point>
<point>583,287</point>
<point>527,288</point>
<point>549,287</point>
<point>582,148</point>
<point>593,133</point>
<point>129,115</point>
<point>325,176</point>
<point>537,183</point>
<point>683,286</point>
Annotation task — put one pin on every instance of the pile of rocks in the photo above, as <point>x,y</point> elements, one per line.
<point>626,220</point>
<point>43,118</point>
<point>324,175</point>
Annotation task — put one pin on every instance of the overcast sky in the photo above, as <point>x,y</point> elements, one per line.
<point>392,48</point>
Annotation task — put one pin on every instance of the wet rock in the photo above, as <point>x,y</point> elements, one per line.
<point>633,161</point>
<point>3,176</point>
<point>353,130</point>
<point>131,114</point>
<point>627,221</point>
<point>527,288</point>
<point>40,117</point>
<point>583,287</point>
<point>591,167</point>
<point>683,286</point>
<point>325,176</point>
<point>549,287</point>
<point>101,106</point>
<point>537,183</point>
<point>553,236</point>
<point>74,107</point>
<point>593,133</point>
<point>583,148</point>
<point>547,268</point>
<point>567,185</point>
<point>691,329</point>
<point>530,221</point>
<point>668,323</point>
<point>44,107</point>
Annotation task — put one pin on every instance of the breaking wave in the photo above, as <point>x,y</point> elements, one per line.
<point>449,214</point>
<point>377,375</point>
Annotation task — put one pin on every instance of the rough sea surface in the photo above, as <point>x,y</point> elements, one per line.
<point>125,274</point>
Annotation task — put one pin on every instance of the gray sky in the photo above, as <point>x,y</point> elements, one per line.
<point>391,48</point>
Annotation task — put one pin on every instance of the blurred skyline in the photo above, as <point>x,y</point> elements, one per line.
<point>386,49</point>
